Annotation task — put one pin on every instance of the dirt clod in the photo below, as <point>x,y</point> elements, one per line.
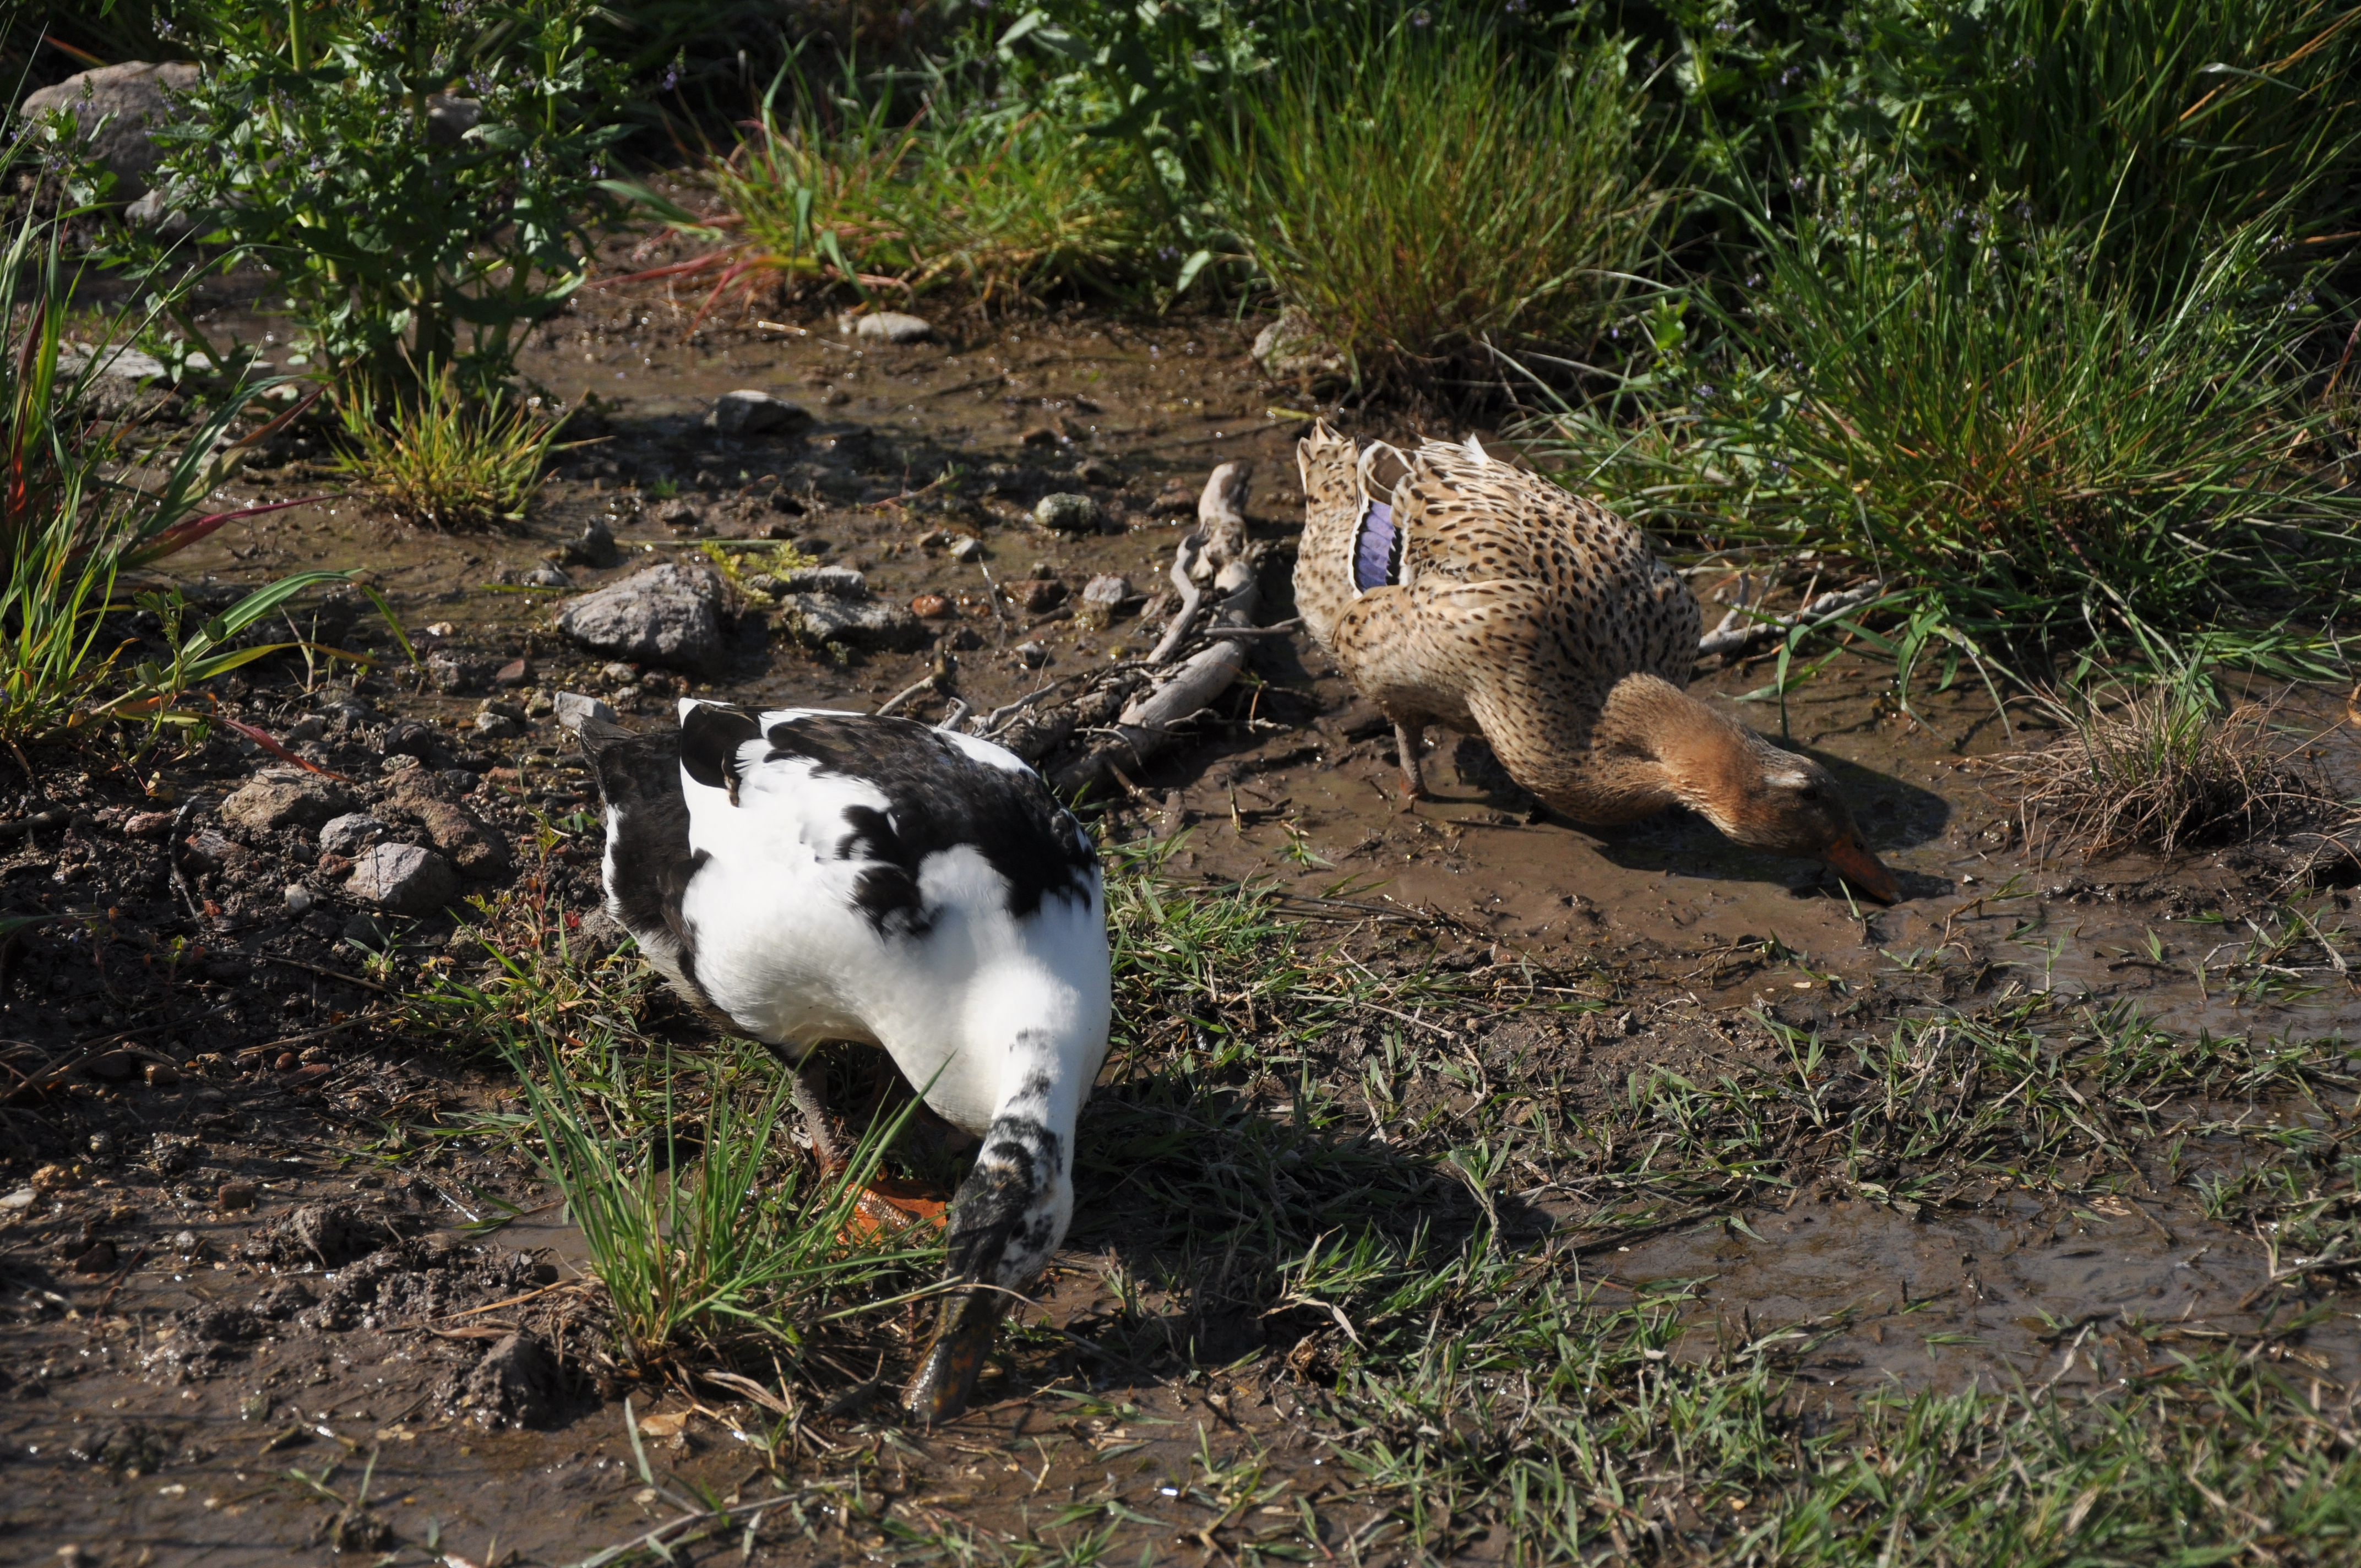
<point>515,1384</point>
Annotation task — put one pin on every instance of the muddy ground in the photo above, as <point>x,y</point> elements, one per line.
<point>235,1208</point>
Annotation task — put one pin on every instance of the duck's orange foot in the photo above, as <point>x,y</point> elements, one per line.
<point>888,1205</point>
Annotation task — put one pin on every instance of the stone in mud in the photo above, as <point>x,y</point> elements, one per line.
<point>546,577</point>
<point>285,798</point>
<point>516,1385</point>
<point>408,737</point>
<point>1105,594</point>
<point>113,107</point>
<point>869,624</point>
<point>748,412</point>
<point>424,798</point>
<point>892,326</point>
<point>455,671</point>
<point>596,548</point>
<point>841,581</point>
<point>669,615</point>
<point>514,674</point>
<point>126,384</point>
<point>1292,347</point>
<point>133,1446</point>
<point>968,549</point>
<point>572,707</point>
<point>1037,594</point>
<point>402,879</point>
<point>349,834</point>
<point>1067,512</point>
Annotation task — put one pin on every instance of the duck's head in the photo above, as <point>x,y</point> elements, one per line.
<point>1790,806</point>
<point>1757,793</point>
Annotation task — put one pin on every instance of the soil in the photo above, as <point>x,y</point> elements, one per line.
<point>251,1311</point>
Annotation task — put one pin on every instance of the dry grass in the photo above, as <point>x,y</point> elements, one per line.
<point>2161,766</point>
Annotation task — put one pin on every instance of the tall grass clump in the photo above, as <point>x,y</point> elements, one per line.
<point>885,194</point>
<point>1961,402</point>
<point>1420,198</point>
<point>443,460</point>
<point>2153,126</point>
<point>705,1238</point>
<point>2163,764</point>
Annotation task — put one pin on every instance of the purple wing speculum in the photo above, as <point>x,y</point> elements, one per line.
<point>1377,549</point>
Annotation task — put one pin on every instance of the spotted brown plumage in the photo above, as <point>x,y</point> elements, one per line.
<point>1543,621</point>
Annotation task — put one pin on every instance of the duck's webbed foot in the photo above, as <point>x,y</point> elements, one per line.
<point>1010,1212</point>
<point>1408,738</point>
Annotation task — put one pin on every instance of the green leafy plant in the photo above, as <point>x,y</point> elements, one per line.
<point>417,177</point>
<point>1421,198</point>
<point>443,460</point>
<point>71,522</point>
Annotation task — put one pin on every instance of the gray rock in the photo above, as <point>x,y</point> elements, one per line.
<point>1033,654</point>
<point>402,879</point>
<point>285,798</point>
<point>892,326</point>
<point>113,107</point>
<point>969,549</point>
<point>1104,593</point>
<point>871,624</point>
<point>1291,346</point>
<point>125,384</point>
<point>573,707</point>
<point>516,1385</point>
<point>497,726</point>
<point>1068,512</point>
<point>455,671</point>
<point>547,577</point>
<point>669,614</point>
<point>349,834</point>
<point>841,581</point>
<point>749,412</point>
<point>596,548</point>
<point>335,1233</point>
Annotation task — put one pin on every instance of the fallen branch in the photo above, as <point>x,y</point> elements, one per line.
<point>1730,638</point>
<point>1215,570</point>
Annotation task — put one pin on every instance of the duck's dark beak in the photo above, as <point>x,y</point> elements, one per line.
<point>962,1336</point>
<point>1850,858</point>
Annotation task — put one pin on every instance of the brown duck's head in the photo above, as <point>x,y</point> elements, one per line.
<point>1789,805</point>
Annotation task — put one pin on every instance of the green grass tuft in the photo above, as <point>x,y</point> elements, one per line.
<point>1419,199</point>
<point>446,460</point>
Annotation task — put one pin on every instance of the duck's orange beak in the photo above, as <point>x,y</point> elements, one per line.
<point>1850,858</point>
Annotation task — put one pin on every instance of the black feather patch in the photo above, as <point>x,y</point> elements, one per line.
<point>937,798</point>
<point>639,779</point>
<point>709,738</point>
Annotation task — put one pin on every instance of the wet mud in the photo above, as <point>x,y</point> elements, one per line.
<point>254,1309</point>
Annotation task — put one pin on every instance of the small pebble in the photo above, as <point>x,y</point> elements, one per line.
<point>162,1075</point>
<point>286,1062</point>
<point>234,1195</point>
<point>515,672</point>
<point>15,1202</point>
<point>300,899</point>
<point>968,549</point>
<point>930,607</point>
<point>98,1259</point>
<point>1034,654</point>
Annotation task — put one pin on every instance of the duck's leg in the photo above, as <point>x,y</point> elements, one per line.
<point>1408,738</point>
<point>813,1105</point>
<point>1009,1216</point>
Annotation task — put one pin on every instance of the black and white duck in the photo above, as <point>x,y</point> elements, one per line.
<point>812,876</point>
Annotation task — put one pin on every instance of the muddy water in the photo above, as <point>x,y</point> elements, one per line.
<point>1303,792</point>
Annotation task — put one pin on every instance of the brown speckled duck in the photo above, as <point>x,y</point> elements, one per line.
<point>1454,588</point>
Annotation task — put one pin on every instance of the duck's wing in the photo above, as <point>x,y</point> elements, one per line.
<point>1469,519</point>
<point>895,817</point>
